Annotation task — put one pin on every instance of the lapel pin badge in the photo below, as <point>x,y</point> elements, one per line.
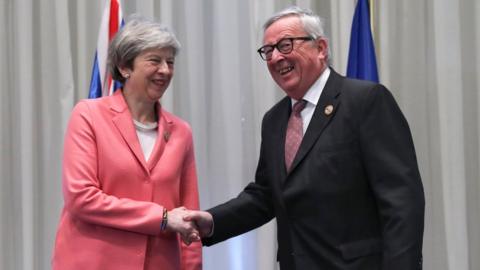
<point>328,110</point>
<point>166,135</point>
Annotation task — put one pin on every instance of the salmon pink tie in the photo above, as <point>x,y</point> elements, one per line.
<point>294,133</point>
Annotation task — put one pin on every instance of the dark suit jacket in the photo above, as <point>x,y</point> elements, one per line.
<point>353,198</point>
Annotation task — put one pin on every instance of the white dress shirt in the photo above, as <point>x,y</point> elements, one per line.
<point>312,96</point>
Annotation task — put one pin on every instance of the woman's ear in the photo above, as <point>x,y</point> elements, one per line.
<point>125,72</point>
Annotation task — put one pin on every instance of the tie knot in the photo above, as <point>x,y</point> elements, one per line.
<point>299,106</point>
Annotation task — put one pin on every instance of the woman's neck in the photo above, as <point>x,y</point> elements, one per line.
<point>141,110</point>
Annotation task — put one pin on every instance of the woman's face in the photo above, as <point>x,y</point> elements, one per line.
<point>151,74</point>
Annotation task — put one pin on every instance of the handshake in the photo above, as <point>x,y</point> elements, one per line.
<point>191,225</point>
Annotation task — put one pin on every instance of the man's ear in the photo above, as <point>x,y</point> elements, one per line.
<point>322,45</point>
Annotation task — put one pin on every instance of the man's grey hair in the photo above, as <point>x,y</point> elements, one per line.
<point>312,23</point>
<point>137,35</point>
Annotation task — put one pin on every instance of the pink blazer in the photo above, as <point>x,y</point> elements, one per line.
<point>114,199</point>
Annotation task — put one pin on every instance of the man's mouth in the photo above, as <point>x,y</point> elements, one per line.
<point>285,70</point>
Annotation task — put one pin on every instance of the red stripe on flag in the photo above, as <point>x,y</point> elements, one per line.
<point>113,23</point>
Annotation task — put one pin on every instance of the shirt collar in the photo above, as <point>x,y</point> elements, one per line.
<point>313,94</point>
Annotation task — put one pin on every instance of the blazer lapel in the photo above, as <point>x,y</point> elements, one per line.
<point>165,129</point>
<point>124,124</point>
<point>324,112</point>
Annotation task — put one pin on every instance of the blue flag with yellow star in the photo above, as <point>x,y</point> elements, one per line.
<point>362,63</point>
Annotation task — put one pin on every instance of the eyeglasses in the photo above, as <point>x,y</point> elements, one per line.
<point>284,45</point>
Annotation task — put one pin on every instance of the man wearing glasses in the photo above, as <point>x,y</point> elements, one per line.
<point>337,165</point>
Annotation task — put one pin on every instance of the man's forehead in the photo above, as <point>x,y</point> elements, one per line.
<point>288,21</point>
<point>285,27</point>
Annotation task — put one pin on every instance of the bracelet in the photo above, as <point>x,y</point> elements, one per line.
<point>163,226</point>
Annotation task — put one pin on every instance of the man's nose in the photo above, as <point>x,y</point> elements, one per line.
<point>276,55</point>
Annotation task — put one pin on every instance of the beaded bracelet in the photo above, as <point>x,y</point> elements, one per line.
<point>163,226</point>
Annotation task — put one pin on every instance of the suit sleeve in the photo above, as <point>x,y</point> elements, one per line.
<point>252,208</point>
<point>83,195</point>
<point>389,157</point>
<point>191,255</point>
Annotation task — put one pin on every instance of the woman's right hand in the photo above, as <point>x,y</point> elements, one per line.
<point>187,229</point>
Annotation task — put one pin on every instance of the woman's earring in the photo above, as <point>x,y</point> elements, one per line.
<point>126,75</point>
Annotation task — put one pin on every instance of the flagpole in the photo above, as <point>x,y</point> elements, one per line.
<point>371,18</point>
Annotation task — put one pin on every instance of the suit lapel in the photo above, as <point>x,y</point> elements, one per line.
<point>124,124</point>
<point>320,118</point>
<point>285,109</point>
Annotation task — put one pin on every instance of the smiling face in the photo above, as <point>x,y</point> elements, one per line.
<point>150,75</point>
<point>295,72</point>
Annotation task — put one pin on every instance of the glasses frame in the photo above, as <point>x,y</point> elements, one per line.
<point>262,49</point>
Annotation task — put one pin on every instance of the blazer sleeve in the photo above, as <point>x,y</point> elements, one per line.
<point>83,195</point>
<point>192,254</point>
<point>389,157</point>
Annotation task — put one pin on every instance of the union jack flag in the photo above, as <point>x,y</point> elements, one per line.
<point>101,83</point>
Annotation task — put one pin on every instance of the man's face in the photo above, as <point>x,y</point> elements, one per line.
<point>296,71</point>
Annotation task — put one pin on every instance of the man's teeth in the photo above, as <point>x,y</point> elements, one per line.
<point>285,70</point>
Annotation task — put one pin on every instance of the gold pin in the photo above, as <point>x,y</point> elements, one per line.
<point>166,135</point>
<point>328,110</point>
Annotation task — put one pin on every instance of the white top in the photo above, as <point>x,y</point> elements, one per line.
<point>312,96</point>
<point>147,135</point>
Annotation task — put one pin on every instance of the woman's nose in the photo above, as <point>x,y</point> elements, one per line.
<point>163,67</point>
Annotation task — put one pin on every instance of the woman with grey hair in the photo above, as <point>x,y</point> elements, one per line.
<point>129,166</point>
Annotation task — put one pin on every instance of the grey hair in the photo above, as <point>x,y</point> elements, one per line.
<point>137,35</point>
<point>312,23</point>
